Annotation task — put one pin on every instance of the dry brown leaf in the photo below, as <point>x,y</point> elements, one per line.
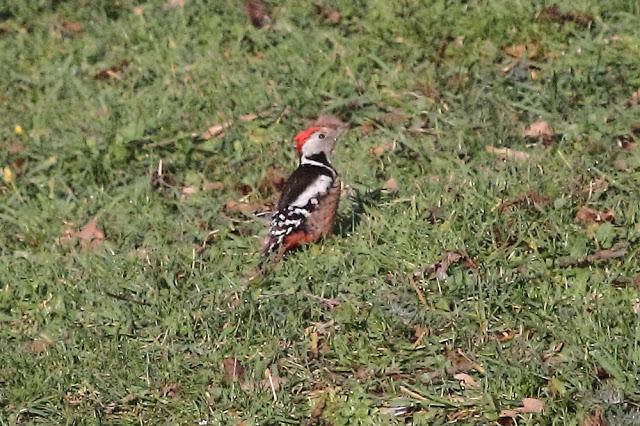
<point>539,130</point>
<point>390,185</point>
<point>367,128</point>
<point>138,10</point>
<point>185,191</point>
<point>70,28</point>
<point>257,13</point>
<point>595,418</point>
<point>634,99</point>
<point>233,370</point>
<point>248,117</point>
<point>439,269</point>
<point>317,408</point>
<point>379,150</point>
<point>394,118</point>
<point>531,405</point>
<point>517,50</point>
<point>531,198</point>
<point>635,129</point>
<point>213,131</point>
<point>329,14</point>
<point>90,236</point>
<point>553,13</point>
<point>507,154</point>
<point>313,345</point>
<point>626,142</point>
<point>38,346</point>
<point>588,215</point>
<point>112,73</point>
<point>505,335</point>
<point>467,380</point>
<point>170,390</point>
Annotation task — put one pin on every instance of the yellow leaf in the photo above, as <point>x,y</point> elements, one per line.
<point>18,129</point>
<point>8,176</point>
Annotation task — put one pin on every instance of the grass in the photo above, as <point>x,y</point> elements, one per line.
<point>137,328</point>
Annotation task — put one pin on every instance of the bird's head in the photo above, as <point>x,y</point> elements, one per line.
<point>316,140</point>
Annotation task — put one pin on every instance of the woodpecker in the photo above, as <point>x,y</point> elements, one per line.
<point>310,197</point>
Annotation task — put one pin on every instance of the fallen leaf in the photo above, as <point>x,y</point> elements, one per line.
<point>553,13</point>
<point>138,10</point>
<point>394,118</point>
<point>539,130</point>
<point>635,128</point>
<point>531,405</point>
<point>112,73</point>
<point>233,370</point>
<point>531,198</point>
<point>213,131</point>
<point>8,176</point>
<point>329,14</point>
<point>39,346</point>
<point>257,13</point>
<point>71,28</point>
<point>505,335</point>
<point>367,128</point>
<point>636,307</point>
<point>390,185</point>
<point>170,390</point>
<point>467,380</point>
<point>517,50</point>
<point>595,418</point>
<point>626,142</point>
<point>634,99</point>
<point>248,117</point>
<point>187,190</point>
<point>317,408</point>
<point>439,269</point>
<point>313,345</point>
<point>459,362</point>
<point>379,150</point>
<point>588,215</point>
<point>507,153</point>
<point>110,408</point>
<point>90,236</point>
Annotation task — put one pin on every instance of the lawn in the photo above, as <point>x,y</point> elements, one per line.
<point>485,267</point>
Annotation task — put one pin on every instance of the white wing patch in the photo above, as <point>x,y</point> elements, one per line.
<point>318,188</point>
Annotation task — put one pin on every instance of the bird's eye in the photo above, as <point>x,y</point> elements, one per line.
<point>321,136</point>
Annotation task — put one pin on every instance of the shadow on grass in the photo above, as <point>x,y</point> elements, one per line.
<point>347,224</point>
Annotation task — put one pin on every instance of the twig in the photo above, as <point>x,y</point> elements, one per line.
<point>617,251</point>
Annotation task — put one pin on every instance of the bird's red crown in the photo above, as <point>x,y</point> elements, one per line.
<point>303,137</point>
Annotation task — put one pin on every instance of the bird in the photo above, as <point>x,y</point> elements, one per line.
<point>310,196</point>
